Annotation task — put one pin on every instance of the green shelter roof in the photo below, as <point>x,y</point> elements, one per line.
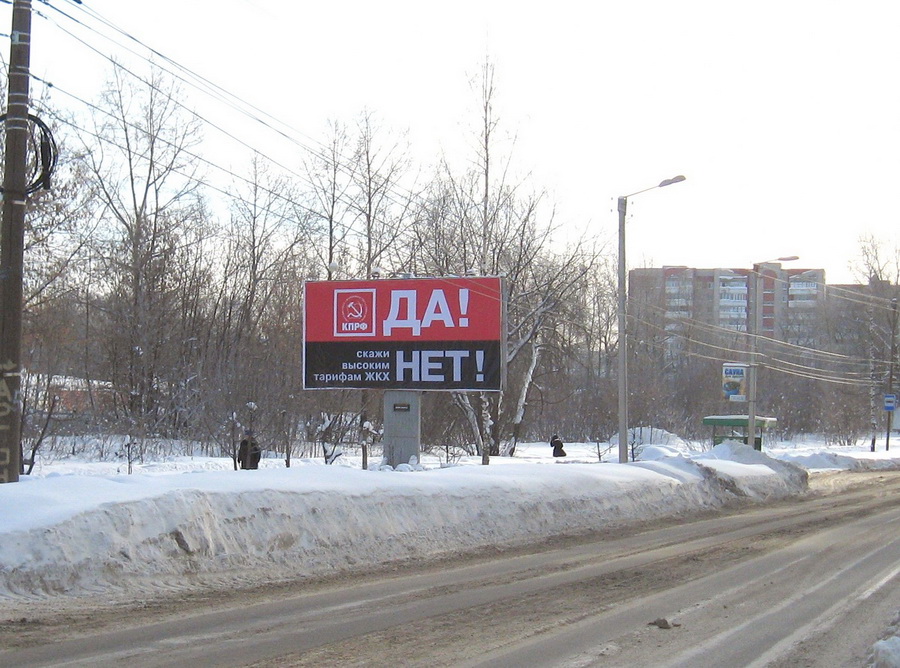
<point>739,421</point>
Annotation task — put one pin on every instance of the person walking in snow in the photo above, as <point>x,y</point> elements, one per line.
<point>557,446</point>
<point>249,452</point>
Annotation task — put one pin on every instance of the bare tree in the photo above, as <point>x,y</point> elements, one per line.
<point>147,180</point>
<point>331,175</point>
<point>380,200</point>
<point>482,220</point>
<point>255,337</point>
<point>877,261</point>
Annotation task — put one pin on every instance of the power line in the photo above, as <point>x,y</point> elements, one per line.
<point>229,194</point>
<point>801,351</point>
<point>216,92</point>
<point>224,170</point>
<point>774,362</point>
<point>807,372</point>
<point>388,193</point>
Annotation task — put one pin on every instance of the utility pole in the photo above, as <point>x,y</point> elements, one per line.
<point>621,319</point>
<point>754,307</point>
<point>12,242</point>
<point>873,367</point>
<point>890,381</point>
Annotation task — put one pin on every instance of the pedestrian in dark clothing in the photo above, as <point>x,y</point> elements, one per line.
<point>249,453</point>
<point>557,446</point>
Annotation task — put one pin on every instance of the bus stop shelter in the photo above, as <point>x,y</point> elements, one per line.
<point>735,428</point>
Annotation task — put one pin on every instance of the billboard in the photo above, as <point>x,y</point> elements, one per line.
<point>734,381</point>
<point>405,334</point>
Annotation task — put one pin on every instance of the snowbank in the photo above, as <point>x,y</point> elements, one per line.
<point>139,534</point>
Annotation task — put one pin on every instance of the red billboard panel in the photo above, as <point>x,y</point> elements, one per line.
<point>423,334</point>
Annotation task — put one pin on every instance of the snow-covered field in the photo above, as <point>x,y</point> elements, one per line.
<point>78,528</point>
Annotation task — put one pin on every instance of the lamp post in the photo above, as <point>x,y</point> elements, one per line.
<point>754,317</point>
<point>621,316</point>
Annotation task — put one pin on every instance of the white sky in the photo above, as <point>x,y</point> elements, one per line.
<point>784,116</point>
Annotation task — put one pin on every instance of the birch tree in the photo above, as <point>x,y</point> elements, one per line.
<point>484,220</point>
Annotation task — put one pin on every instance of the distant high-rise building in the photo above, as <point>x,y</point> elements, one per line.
<point>786,300</point>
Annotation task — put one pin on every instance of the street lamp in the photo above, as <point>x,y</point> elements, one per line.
<point>754,317</point>
<point>621,315</point>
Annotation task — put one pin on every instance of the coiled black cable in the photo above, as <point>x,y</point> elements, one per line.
<point>46,153</point>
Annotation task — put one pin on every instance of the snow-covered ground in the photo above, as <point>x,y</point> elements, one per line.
<point>78,528</point>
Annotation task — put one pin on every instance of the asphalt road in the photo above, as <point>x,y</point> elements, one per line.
<point>808,582</point>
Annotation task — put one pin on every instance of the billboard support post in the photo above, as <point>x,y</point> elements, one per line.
<point>402,427</point>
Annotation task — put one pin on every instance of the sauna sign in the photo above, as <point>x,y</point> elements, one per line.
<point>734,381</point>
<point>412,334</point>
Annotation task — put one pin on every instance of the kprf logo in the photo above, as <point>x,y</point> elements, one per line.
<point>354,312</point>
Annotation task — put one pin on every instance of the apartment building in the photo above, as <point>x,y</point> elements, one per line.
<point>786,300</point>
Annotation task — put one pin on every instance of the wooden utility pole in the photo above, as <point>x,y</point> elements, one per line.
<point>12,242</point>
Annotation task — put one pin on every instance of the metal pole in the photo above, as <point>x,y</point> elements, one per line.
<point>873,369</point>
<point>622,316</point>
<point>753,309</point>
<point>12,242</point>
<point>623,342</point>
<point>890,382</point>
<point>754,326</point>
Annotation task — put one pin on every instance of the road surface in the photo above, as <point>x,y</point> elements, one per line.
<point>808,582</point>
